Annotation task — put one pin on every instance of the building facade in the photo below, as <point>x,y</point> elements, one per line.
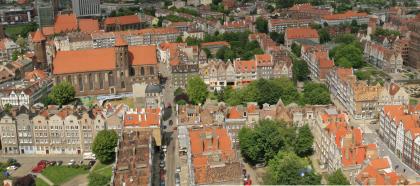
<point>84,8</point>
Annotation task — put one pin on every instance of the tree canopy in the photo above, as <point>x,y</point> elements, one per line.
<point>62,93</point>
<point>286,168</point>
<point>300,70</point>
<point>197,90</point>
<point>261,25</point>
<point>337,178</point>
<point>296,49</point>
<point>324,35</point>
<point>315,94</point>
<point>261,143</point>
<point>104,145</point>
<point>304,142</point>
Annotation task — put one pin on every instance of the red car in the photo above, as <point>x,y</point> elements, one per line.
<point>40,166</point>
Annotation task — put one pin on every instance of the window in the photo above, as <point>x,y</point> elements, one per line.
<point>69,79</point>
<point>101,81</point>
<point>80,80</point>
<point>122,84</point>
<point>90,79</point>
<point>132,71</point>
<point>110,79</point>
<point>142,71</point>
<point>152,70</point>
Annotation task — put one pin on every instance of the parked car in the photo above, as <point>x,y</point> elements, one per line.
<point>178,169</point>
<point>162,164</point>
<point>72,162</point>
<point>40,166</point>
<point>12,167</point>
<point>59,162</point>
<point>177,179</point>
<point>91,163</point>
<point>52,163</point>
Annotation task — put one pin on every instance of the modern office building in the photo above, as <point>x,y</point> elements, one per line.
<point>45,11</point>
<point>86,8</point>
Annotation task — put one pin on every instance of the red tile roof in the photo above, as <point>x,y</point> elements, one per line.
<point>35,75</point>
<point>122,20</point>
<point>148,118</point>
<point>264,59</point>
<point>92,60</point>
<point>119,41</point>
<point>234,113</point>
<point>301,33</point>
<point>373,174</point>
<point>88,25</point>
<point>65,23</point>
<point>245,66</point>
<point>38,36</point>
<point>345,15</point>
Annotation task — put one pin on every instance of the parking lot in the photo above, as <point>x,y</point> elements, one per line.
<point>29,161</point>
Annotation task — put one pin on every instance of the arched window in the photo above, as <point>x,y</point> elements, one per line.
<point>142,71</point>
<point>101,81</point>
<point>90,79</point>
<point>110,79</point>
<point>152,70</point>
<point>80,81</point>
<point>69,79</point>
<point>132,71</point>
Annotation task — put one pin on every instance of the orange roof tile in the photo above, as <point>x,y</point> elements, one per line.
<point>224,43</point>
<point>264,60</point>
<point>301,33</point>
<point>374,172</point>
<point>88,25</point>
<point>65,23</point>
<point>148,118</point>
<point>245,66</point>
<point>92,60</point>
<point>122,20</point>
<point>48,31</point>
<point>234,113</point>
<point>38,36</point>
<point>345,15</point>
<point>35,75</point>
<point>119,41</point>
<point>251,108</point>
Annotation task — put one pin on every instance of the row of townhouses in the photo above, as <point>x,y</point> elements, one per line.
<point>317,58</point>
<point>68,130</point>
<point>361,100</point>
<point>400,131</point>
<point>340,146</point>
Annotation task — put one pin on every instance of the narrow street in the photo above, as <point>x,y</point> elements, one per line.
<point>170,135</point>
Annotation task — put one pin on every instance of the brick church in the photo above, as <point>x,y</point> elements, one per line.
<point>106,70</point>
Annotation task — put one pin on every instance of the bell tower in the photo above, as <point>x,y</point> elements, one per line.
<point>39,41</point>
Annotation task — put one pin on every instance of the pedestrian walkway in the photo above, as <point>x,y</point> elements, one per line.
<point>80,180</point>
<point>45,179</point>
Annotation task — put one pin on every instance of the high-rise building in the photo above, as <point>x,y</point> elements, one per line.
<point>86,8</point>
<point>414,45</point>
<point>45,11</point>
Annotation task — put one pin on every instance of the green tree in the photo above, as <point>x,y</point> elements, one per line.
<point>262,143</point>
<point>179,39</point>
<point>178,91</point>
<point>352,53</point>
<point>197,90</point>
<point>7,108</point>
<point>21,42</point>
<point>267,92</point>
<point>304,142</point>
<point>296,49</point>
<point>286,168</point>
<point>104,145</point>
<point>324,35</point>
<point>261,25</point>
<point>315,94</point>
<point>343,62</point>
<point>300,70</point>
<point>15,55</point>
<point>220,54</point>
<point>96,179</point>
<point>277,37</point>
<point>62,93</point>
<point>337,178</point>
<point>345,38</point>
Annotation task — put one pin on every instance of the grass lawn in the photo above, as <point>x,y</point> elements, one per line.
<point>40,182</point>
<point>61,174</point>
<point>103,169</point>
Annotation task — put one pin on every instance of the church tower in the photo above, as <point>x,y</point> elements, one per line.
<point>122,61</point>
<point>40,58</point>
